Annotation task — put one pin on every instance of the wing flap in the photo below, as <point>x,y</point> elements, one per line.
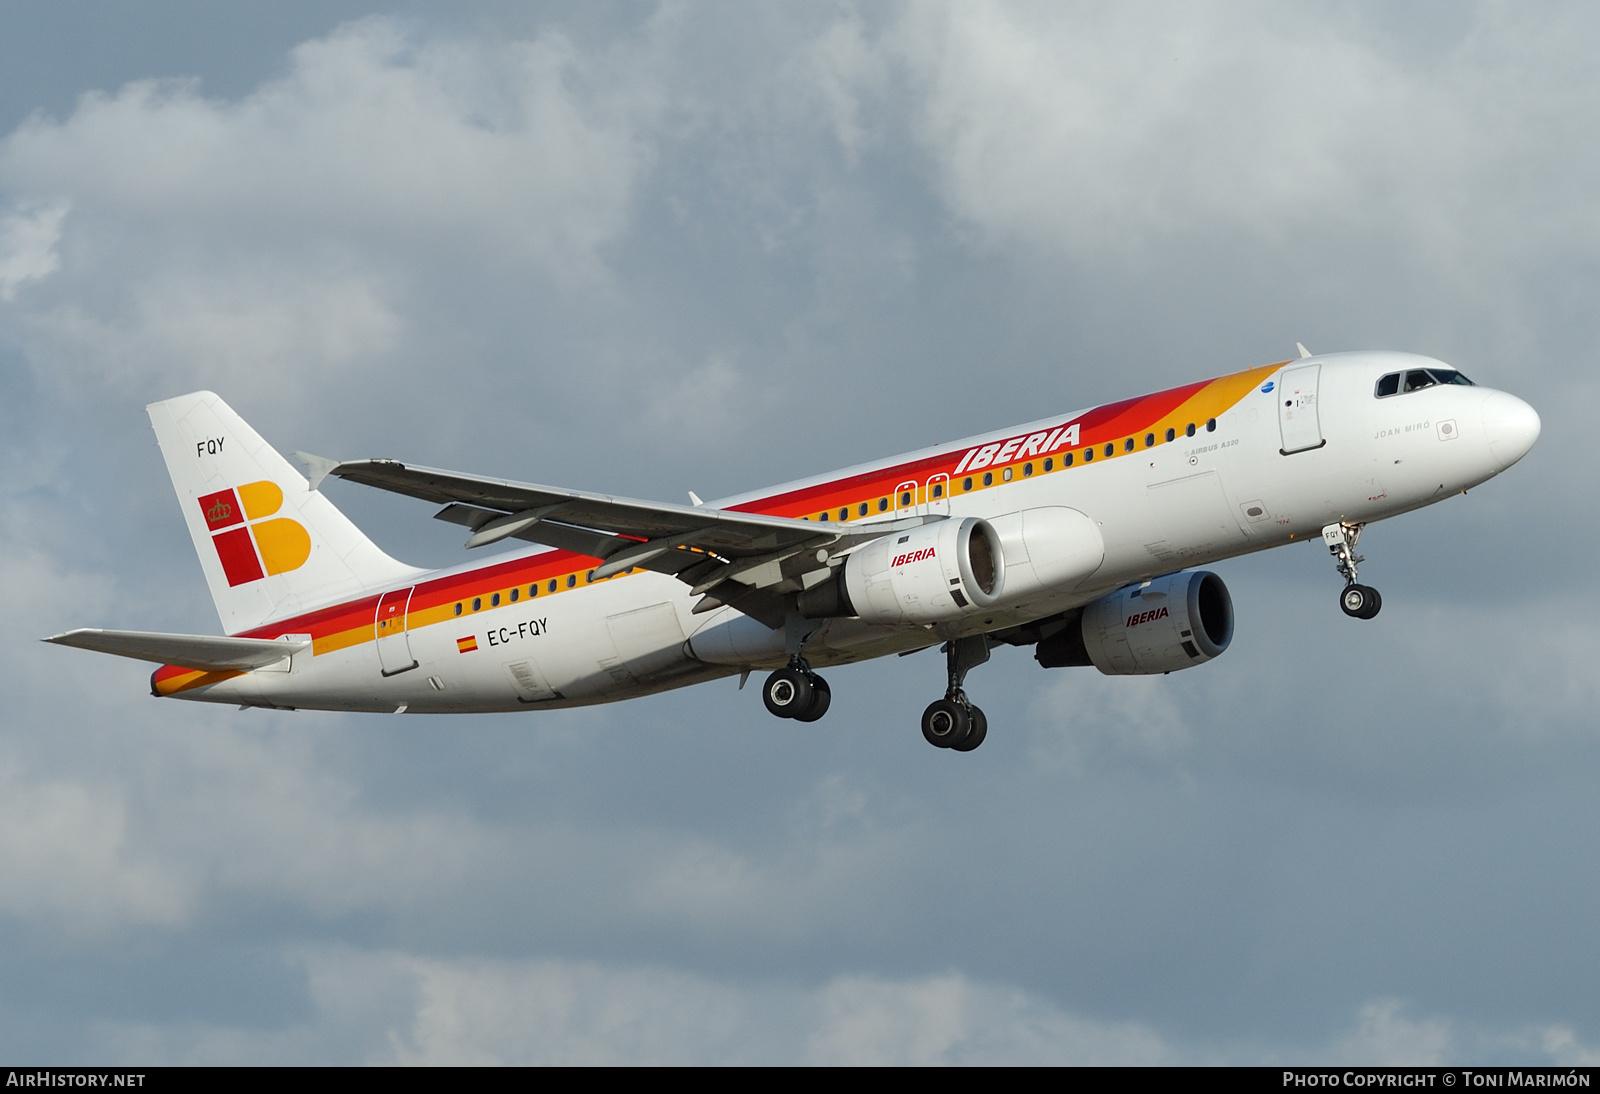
<point>752,560</point>
<point>191,651</point>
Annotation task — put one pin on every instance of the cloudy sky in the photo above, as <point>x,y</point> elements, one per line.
<point>649,248</point>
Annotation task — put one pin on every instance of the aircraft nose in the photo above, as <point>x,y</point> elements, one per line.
<point>1510,425</point>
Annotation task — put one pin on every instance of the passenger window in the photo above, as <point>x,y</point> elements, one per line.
<point>1088,454</point>
<point>533,590</point>
<point>552,584</point>
<point>1005,475</point>
<point>1389,385</point>
<point>1027,469</point>
<point>588,577</point>
<point>862,509</point>
<point>1049,464</point>
<point>938,489</point>
<point>477,603</point>
<point>494,601</point>
<point>883,505</point>
<point>844,514</point>
<point>1172,435</point>
<point>515,593</point>
<point>1189,430</point>
<point>966,484</point>
<point>1149,440</point>
<point>1417,379</point>
<point>572,580</point>
<point>458,607</point>
<point>905,498</point>
<point>1127,445</point>
<point>988,478</point>
<point>1211,425</point>
<point>1110,448</point>
<point>1066,460</point>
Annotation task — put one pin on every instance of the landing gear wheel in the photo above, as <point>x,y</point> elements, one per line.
<point>975,735</point>
<point>821,696</point>
<point>1360,601</point>
<point>946,723</point>
<point>788,693</point>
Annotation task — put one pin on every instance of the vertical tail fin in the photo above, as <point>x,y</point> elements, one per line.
<point>270,546</point>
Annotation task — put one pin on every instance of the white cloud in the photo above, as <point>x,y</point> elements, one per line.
<point>508,148</point>
<point>391,1008</point>
<point>394,1007</point>
<point>28,239</point>
<point>270,246</point>
<point>1087,721</point>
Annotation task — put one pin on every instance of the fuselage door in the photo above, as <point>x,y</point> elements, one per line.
<point>394,645</point>
<point>905,500</point>
<point>937,496</point>
<point>1297,409</point>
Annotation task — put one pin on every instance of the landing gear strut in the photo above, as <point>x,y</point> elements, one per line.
<point>954,722</point>
<point>1356,601</point>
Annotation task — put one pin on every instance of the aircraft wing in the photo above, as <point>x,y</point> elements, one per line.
<point>192,651</point>
<point>750,559</point>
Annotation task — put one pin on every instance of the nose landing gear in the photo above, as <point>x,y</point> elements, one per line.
<point>1356,601</point>
<point>954,722</point>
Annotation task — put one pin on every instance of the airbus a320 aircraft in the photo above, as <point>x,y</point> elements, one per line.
<point>1072,534</point>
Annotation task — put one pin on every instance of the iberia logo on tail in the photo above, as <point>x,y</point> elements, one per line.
<point>250,546</point>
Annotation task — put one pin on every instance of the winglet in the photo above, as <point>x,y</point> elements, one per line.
<point>694,499</point>
<point>318,466</point>
<point>1301,346</point>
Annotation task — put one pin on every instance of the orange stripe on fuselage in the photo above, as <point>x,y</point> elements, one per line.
<point>342,626</point>
<point>171,679</point>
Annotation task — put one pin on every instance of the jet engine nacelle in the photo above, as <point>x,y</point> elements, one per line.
<point>932,574</point>
<point>1167,624</point>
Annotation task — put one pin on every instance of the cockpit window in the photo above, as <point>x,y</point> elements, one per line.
<point>1417,379</point>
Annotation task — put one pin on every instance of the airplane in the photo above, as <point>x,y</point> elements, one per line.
<point>1077,534</point>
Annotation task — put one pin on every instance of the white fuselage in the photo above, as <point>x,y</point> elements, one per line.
<point>1222,492</point>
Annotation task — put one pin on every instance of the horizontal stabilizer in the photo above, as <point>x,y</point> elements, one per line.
<point>192,651</point>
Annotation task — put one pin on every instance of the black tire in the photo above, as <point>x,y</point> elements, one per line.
<point>1358,601</point>
<point>821,696</point>
<point>975,735</point>
<point>946,723</point>
<point>1377,603</point>
<point>787,692</point>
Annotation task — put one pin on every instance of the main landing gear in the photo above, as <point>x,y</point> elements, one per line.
<point>796,692</point>
<point>1356,601</point>
<point>954,722</point>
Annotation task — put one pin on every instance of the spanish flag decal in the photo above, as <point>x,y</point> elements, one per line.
<point>467,644</point>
